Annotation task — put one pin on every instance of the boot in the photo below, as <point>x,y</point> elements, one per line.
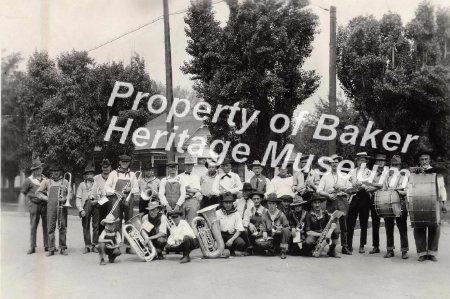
<point>361,249</point>
<point>404,255</point>
<point>422,258</point>
<point>111,258</point>
<point>185,259</point>
<point>346,251</point>
<point>375,250</point>
<point>432,258</point>
<point>63,252</point>
<point>31,251</point>
<point>50,253</point>
<point>94,249</point>
<point>332,251</point>
<point>160,255</point>
<point>86,250</point>
<point>389,253</point>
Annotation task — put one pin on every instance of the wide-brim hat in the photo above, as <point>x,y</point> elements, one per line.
<point>298,200</point>
<point>36,164</point>
<point>227,198</point>
<point>424,152</point>
<point>256,192</point>
<point>110,219</point>
<point>171,163</point>
<point>336,157</point>
<point>247,187</point>
<point>153,205</point>
<point>363,155</point>
<point>255,163</point>
<point>106,163</point>
<point>173,212</point>
<point>317,196</point>
<point>286,198</point>
<point>272,197</point>
<point>396,159</point>
<point>124,158</point>
<point>189,161</point>
<point>380,157</point>
<point>89,169</point>
<point>147,166</point>
<point>210,162</point>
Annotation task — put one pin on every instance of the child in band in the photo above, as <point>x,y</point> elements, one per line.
<point>110,240</point>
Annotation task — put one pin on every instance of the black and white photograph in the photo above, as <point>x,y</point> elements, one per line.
<point>225,149</point>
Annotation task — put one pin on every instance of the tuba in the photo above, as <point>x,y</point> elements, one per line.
<point>132,231</point>
<point>207,229</point>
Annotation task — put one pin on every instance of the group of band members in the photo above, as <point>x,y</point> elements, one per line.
<point>285,215</point>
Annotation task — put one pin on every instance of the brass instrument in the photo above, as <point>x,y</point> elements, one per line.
<point>61,190</point>
<point>132,231</point>
<point>323,240</point>
<point>121,195</point>
<point>207,230</point>
<point>129,184</point>
<point>417,170</point>
<point>147,194</point>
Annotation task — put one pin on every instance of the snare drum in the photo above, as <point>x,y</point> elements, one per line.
<point>423,203</point>
<point>387,203</point>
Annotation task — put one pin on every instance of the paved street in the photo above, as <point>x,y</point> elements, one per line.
<point>78,275</point>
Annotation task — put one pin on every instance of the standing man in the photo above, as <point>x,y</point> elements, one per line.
<point>38,207</point>
<point>259,182</point>
<point>228,181</point>
<point>305,181</point>
<point>282,183</point>
<point>48,191</point>
<point>172,191</point>
<point>119,185</point>
<point>244,206</point>
<point>427,243</point>
<point>100,181</point>
<point>332,186</point>
<point>88,209</point>
<point>193,194</point>
<point>389,222</point>
<point>206,184</point>
<point>148,181</point>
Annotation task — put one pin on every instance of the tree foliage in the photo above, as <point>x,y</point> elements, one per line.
<point>255,59</point>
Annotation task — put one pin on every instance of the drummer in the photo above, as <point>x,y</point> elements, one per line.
<point>427,244</point>
<point>401,221</point>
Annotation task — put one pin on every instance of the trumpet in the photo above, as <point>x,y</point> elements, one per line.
<point>61,190</point>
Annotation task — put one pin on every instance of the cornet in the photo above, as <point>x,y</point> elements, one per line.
<point>61,190</point>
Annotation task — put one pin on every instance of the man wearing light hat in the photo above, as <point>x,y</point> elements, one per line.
<point>148,183</point>
<point>206,184</point>
<point>193,195</point>
<point>259,182</point>
<point>120,183</point>
<point>159,223</point>
<point>228,181</point>
<point>38,207</point>
<point>172,191</point>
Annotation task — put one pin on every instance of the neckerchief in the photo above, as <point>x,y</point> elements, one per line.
<point>317,216</point>
<point>226,175</point>
<point>284,176</point>
<point>125,171</point>
<point>273,216</point>
<point>231,211</point>
<point>35,180</point>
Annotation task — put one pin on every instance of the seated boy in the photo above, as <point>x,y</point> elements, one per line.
<point>109,240</point>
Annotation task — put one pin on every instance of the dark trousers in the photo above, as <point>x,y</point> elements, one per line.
<point>389,223</point>
<point>111,253</point>
<point>359,206</point>
<point>279,241</point>
<point>340,204</point>
<point>92,214</point>
<point>208,201</point>
<point>52,224</point>
<point>424,245</point>
<point>38,211</point>
<point>375,225</point>
<point>143,204</point>
<point>186,246</point>
<point>238,244</point>
<point>191,206</point>
<point>160,243</point>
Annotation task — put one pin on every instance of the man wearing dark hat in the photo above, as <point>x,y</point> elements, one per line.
<point>172,191</point>
<point>38,207</point>
<point>88,209</point>
<point>206,184</point>
<point>48,191</point>
<point>395,183</point>
<point>275,229</point>
<point>230,224</point>
<point>244,206</point>
<point>148,184</point>
<point>100,181</point>
<point>305,181</point>
<point>316,220</point>
<point>256,213</point>
<point>182,237</point>
<point>120,183</point>
<point>297,219</point>
<point>159,223</point>
<point>228,181</point>
<point>193,195</point>
<point>427,238</point>
<point>359,200</point>
<point>259,182</point>
<point>332,185</point>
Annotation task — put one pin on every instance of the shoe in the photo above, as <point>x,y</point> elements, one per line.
<point>94,249</point>
<point>432,258</point>
<point>332,252</point>
<point>86,250</point>
<point>63,252</point>
<point>232,253</point>
<point>31,251</point>
<point>128,251</point>
<point>102,262</point>
<point>160,256</point>
<point>422,258</point>
<point>50,253</point>
<point>346,250</point>
<point>111,259</point>
<point>389,253</point>
<point>185,259</point>
<point>361,249</point>
<point>404,255</point>
<point>375,250</point>
<point>283,254</point>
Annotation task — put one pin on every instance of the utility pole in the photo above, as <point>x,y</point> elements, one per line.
<point>332,74</point>
<point>169,90</point>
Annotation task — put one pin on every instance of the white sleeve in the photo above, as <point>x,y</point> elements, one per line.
<point>441,188</point>
<point>162,192</point>
<point>215,186</point>
<point>109,185</point>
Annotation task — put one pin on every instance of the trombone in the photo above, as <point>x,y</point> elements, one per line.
<point>61,190</point>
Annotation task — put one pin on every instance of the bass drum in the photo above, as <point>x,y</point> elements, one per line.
<point>423,200</point>
<point>387,203</point>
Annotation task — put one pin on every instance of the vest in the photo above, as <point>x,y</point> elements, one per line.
<point>260,184</point>
<point>172,193</point>
<point>156,222</point>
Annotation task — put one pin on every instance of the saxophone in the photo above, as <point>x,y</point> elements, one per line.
<point>207,230</point>
<point>323,240</point>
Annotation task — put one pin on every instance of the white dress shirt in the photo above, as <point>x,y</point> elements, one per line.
<point>230,223</point>
<point>177,233</point>
<point>227,182</point>
<point>162,190</point>
<point>283,186</point>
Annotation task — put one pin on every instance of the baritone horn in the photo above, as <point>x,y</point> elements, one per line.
<point>132,231</point>
<point>147,194</point>
<point>207,230</point>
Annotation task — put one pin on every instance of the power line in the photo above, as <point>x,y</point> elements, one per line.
<point>143,26</point>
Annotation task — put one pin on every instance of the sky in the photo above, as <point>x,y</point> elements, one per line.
<point>62,25</point>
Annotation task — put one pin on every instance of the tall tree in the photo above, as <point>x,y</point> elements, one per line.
<point>255,59</point>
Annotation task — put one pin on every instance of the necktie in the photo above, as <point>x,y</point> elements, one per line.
<point>257,183</point>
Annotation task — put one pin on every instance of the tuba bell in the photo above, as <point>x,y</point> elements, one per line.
<point>207,230</point>
<point>147,194</point>
<point>132,231</point>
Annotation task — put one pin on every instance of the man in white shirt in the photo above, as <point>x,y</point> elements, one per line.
<point>206,185</point>
<point>228,181</point>
<point>282,183</point>
<point>244,206</point>
<point>100,181</point>
<point>182,237</point>
<point>305,182</point>
<point>193,194</point>
<point>332,185</point>
<point>172,191</point>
